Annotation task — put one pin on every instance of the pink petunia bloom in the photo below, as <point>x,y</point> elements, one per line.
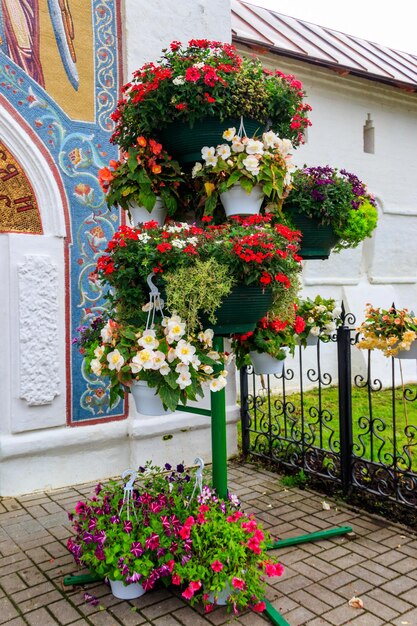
<point>208,608</point>
<point>216,566</point>
<point>188,593</point>
<point>238,583</point>
<point>195,585</point>
<point>176,580</point>
<point>261,606</point>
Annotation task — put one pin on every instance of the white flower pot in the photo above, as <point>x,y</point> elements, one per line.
<point>140,214</point>
<point>236,201</point>
<point>221,596</point>
<point>146,401</point>
<point>126,592</point>
<point>264,363</point>
<point>312,340</point>
<point>408,354</point>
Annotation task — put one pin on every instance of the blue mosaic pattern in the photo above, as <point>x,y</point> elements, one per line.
<point>79,150</point>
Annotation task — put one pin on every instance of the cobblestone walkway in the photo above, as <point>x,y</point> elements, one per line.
<point>378,564</point>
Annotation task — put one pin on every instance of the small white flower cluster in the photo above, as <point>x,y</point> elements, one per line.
<point>148,357</point>
<point>254,148</point>
<point>321,310</point>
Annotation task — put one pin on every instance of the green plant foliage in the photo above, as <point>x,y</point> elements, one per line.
<point>200,288</point>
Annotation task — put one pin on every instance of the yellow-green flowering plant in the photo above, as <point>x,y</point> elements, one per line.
<point>389,330</point>
<point>248,162</point>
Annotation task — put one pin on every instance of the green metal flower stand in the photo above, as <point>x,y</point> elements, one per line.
<point>217,412</point>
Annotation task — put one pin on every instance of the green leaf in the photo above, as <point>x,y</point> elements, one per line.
<point>247,184</point>
<point>171,380</point>
<point>169,397</point>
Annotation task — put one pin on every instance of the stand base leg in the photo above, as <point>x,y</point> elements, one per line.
<point>321,534</point>
<point>274,616</point>
<point>82,579</point>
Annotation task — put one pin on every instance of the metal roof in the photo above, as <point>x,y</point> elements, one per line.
<point>292,37</point>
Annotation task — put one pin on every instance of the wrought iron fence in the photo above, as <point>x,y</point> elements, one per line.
<point>365,441</point>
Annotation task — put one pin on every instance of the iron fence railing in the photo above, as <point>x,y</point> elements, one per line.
<point>342,425</point>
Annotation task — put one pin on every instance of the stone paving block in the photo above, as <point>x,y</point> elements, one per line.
<point>405,565</point>
<point>367,620</point>
<point>218,616</point>
<point>310,572</point>
<point>42,600</point>
<point>252,619</point>
<point>338,580</point>
<point>367,574</point>
<point>167,620</point>
<point>187,616</point>
<point>318,621</point>
<point>293,584</point>
<point>343,614</point>
<point>162,608</point>
<point>7,610</point>
<point>410,617</point>
<point>60,532</point>
<point>127,614</point>
<point>299,616</point>
<point>16,565</point>
<point>386,613</point>
<point>359,587</point>
<point>304,598</point>
<point>38,555</point>
<point>32,576</point>
<point>11,583</point>
<point>40,617</point>
<point>17,621</point>
<point>326,595</point>
<point>10,504</point>
<point>396,603</point>
<point>103,619</point>
<point>63,611</point>
<point>346,562</point>
<point>399,585</point>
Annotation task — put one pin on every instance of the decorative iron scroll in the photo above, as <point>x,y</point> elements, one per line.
<point>19,212</point>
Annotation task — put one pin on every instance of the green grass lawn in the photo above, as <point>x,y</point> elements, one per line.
<point>375,443</point>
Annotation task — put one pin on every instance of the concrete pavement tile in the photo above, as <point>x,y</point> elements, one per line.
<point>127,614</point>
<point>162,608</point>
<point>7,610</point>
<point>299,616</point>
<point>40,617</point>
<point>187,616</point>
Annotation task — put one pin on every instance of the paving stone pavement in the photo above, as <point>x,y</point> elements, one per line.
<point>378,564</point>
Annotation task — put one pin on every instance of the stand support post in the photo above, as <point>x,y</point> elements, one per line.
<point>218,433</point>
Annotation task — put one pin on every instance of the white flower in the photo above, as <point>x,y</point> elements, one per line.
<point>184,380</point>
<point>330,327</point>
<point>337,311</point>
<point>206,337</point>
<point>175,330</point>
<point>223,151</point>
<point>237,145</point>
<point>252,164</point>
<point>195,362</point>
<point>315,331</point>
<point>107,332</point>
<point>284,146</point>
<point>95,366</point>
<point>145,358</point>
<point>115,360</point>
<point>192,240</point>
<point>207,369</point>
<point>254,146</point>
<point>229,133</point>
<point>197,167</point>
<point>310,320</point>
<point>178,243</point>
<point>148,340</point>
<point>99,351</point>
<point>136,365</point>
<point>218,383</point>
<point>158,360</point>
<point>270,139</point>
<point>168,320</point>
<point>211,160</point>
<point>179,80</point>
<point>199,65</point>
<point>182,368</point>
<point>171,356</point>
<point>144,237</point>
<point>164,370</point>
<point>207,152</point>
<point>213,355</point>
<point>321,308</point>
<point>185,351</point>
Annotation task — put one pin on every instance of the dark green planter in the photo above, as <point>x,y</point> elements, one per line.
<point>240,310</point>
<point>317,239</point>
<point>185,143</point>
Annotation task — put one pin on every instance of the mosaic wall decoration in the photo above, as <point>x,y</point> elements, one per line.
<point>19,212</point>
<point>79,147</point>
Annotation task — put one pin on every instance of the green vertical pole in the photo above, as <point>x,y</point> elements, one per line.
<point>218,433</point>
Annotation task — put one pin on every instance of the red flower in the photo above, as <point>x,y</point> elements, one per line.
<point>238,583</point>
<point>188,593</point>
<point>299,324</point>
<point>261,606</point>
<point>207,218</point>
<point>209,98</point>
<point>208,608</point>
<point>176,580</point>
<point>190,249</point>
<point>164,247</point>
<point>181,106</point>
<point>192,74</point>
<point>216,566</point>
<point>265,279</point>
<point>281,278</point>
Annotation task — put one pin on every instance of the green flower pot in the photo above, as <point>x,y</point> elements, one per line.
<point>185,143</point>
<point>240,310</point>
<point>318,240</point>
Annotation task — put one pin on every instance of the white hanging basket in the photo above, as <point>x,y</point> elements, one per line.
<point>146,401</point>
<point>264,363</point>
<point>126,592</point>
<point>221,596</point>
<point>408,354</point>
<point>140,214</point>
<point>236,201</point>
<point>312,340</point>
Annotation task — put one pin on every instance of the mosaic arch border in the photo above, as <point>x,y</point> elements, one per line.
<point>77,150</point>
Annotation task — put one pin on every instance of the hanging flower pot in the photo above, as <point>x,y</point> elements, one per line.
<point>311,340</point>
<point>220,597</point>
<point>147,402</point>
<point>126,592</point>
<point>140,214</point>
<point>408,354</point>
<point>237,201</point>
<point>317,239</point>
<point>240,310</point>
<point>185,142</point>
<point>264,363</point>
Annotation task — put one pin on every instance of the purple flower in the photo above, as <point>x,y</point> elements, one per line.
<point>148,584</point>
<point>92,523</point>
<point>174,547</point>
<point>127,526</point>
<point>160,552</point>
<point>87,537</point>
<point>164,570</point>
<point>180,468</point>
<point>152,542</point>
<point>100,537</point>
<point>136,549</point>
<point>91,599</point>
<point>168,466</point>
<point>98,488</point>
<point>99,554</point>
<point>185,559</point>
<point>115,519</point>
<point>134,578</point>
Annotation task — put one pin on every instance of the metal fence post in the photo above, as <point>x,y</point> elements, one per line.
<point>345,402</point>
<point>244,410</point>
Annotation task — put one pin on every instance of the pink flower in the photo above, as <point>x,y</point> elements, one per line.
<point>216,566</point>
<point>274,569</point>
<point>176,580</point>
<point>208,608</point>
<point>249,527</point>
<point>261,606</point>
<point>238,583</point>
<point>254,546</point>
<point>195,585</point>
<point>188,593</point>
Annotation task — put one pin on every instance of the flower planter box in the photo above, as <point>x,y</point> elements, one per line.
<point>236,201</point>
<point>265,364</point>
<point>140,214</point>
<point>408,354</point>
<point>147,402</point>
<point>185,143</point>
<point>318,240</point>
<point>126,592</point>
